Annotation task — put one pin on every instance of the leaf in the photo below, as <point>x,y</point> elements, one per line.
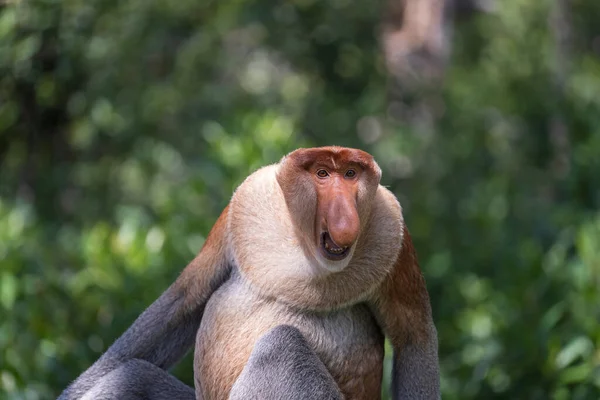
<point>8,290</point>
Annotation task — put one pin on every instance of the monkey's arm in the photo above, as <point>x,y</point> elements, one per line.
<point>165,331</point>
<point>403,310</point>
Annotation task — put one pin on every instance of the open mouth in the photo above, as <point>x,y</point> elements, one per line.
<point>331,250</point>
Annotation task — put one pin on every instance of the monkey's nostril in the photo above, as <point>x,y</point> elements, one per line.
<point>330,243</point>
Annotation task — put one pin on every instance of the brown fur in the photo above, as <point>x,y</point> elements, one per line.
<point>402,304</point>
<point>273,236</point>
<point>199,275</point>
<point>264,265</point>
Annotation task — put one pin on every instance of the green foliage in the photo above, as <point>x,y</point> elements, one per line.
<point>125,127</point>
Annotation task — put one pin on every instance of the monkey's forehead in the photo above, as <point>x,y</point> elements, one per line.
<point>333,156</point>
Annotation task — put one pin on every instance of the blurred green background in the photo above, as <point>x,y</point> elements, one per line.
<point>126,125</point>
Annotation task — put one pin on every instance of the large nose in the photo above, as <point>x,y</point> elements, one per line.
<point>343,223</point>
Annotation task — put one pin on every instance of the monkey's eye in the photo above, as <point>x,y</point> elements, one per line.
<point>350,173</point>
<point>322,173</point>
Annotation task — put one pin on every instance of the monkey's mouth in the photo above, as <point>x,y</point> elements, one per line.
<point>331,250</point>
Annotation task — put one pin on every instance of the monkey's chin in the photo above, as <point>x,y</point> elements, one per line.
<point>334,266</point>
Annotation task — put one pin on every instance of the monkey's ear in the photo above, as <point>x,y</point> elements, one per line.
<point>402,305</point>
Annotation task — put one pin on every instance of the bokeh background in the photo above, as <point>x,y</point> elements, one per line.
<point>126,125</point>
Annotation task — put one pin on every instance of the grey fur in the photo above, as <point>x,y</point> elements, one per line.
<point>416,371</point>
<point>283,366</point>
<point>139,380</point>
<point>161,335</point>
<point>332,312</point>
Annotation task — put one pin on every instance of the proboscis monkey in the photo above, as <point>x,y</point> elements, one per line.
<point>300,279</point>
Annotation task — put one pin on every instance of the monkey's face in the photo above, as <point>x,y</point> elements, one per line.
<point>334,188</point>
<point>315,229</point>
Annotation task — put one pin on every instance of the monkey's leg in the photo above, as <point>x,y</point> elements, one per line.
<point>139,380</point>
<point>282,365</point>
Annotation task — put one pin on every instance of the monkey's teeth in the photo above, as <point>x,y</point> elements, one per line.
<point>335,250</point>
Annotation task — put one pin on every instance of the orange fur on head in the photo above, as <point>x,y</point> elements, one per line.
<point>329,191</point>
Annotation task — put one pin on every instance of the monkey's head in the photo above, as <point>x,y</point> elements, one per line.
<point>316,228</point>
<point>329,192</point>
